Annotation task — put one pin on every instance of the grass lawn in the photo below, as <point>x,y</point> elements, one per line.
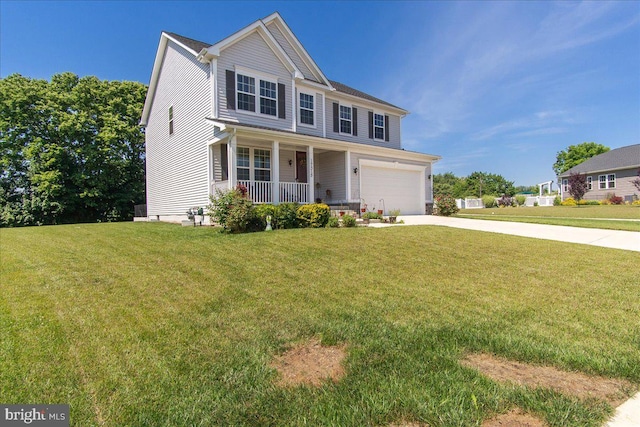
<point>150,324</point>
<point>611,217</point>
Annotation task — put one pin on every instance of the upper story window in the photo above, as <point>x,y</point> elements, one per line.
<point>268,98</point>
<point>607,181</point>
<point>345,119</point>
<point>171,120</point>
<point>246,93</point>
<point>307,109</point>
<point>378,126</point>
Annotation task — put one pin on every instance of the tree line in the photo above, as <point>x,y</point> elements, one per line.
<point>71,150</point>
<point>476,185</point>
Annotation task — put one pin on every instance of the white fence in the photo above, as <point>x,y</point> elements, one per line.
<point>262,191</point>
<point>530,201</point>
<point>469,203</point>
<point>540,200</point>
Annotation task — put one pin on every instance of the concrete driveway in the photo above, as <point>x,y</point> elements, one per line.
<point>627,240</point>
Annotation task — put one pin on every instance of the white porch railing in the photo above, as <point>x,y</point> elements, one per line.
<point>294,192</point>
<point>262,191</point>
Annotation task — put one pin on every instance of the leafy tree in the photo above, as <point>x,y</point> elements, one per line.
<point>636,182</point>
<point>577,185</point>
<point>480,183</point>
<point>448,183</point>
<point>576,154</point>
<point>71,149</point>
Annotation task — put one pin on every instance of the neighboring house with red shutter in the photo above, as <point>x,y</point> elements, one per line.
<point>609,173</point>
<point>255,109</point>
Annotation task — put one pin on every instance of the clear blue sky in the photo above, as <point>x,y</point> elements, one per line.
<point>498,87</point>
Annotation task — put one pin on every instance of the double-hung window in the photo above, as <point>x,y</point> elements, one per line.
<point>607,181</point>
<point>565,185</point>
<point>246,93</point>
<point>345,119</point>
<point>262,165</point>
<point>243,164</point>
<point>378,126</point>
<point>589,183</point>
<point>268,98</point>
<point>306,109</point>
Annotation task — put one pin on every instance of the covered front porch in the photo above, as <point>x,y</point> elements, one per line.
<point>276,171</point>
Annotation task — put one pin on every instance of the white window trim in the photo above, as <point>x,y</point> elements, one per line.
<point>374,126</point>
<point>340,105</point>
<point>589,183</point>
<point>565,185</point>
<point>172,128</point>
<point>607,183</point>
<point>257,76</point>
<point>315,115</point>
<point>252,166</point>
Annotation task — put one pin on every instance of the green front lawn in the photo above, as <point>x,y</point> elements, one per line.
<point>149,324</point>
<point>610,217</point>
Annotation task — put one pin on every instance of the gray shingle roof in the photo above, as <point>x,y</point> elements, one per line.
<point>196,45</point>
<point>355,92</point>
<point>618,158</point>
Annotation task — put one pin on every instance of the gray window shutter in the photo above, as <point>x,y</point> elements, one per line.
<point>231,90</point>
<point>386,128</point>
<point>336,117</point>
<point>355,121</point>
<point>371,124</point>
<point>282,103</point>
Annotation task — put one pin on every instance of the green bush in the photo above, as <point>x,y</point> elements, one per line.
<point>333,222</point>
<point>286,215</point>
<point>520,199</point>
<point>446,205</point>
<point>569,202</point>
<point>489,201</point>
<point>262,211</point>
<point>314,215</point>
<point>348,221</point>
<point>584,202</point>
<point>371,215</point>
<point>233,211</point>
<point>557,201</point>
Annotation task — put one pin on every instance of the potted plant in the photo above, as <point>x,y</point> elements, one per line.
<point>380,211</point>
<point>393,214</point>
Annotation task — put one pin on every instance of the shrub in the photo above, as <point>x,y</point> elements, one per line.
<point>314,215</point>
<point>569,202</point>
<point>446,205</point>
<point>505,201</point>
<point>286,215</point>
<point>520,199</point>
<point>636,203</point>
<point>588,202</point>
<point>242,217</point>
<point>333,222</point>
<point>616,200</point>
<point>557,201</point>
<point>221,204</point>
<point>348,221</point>
<point>371,215</point>
<point>488,201</point>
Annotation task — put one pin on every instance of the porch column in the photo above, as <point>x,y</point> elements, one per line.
<point>347,173</point>
<point>232,173</point>
<point>275,178</point>
<point>311,174</point>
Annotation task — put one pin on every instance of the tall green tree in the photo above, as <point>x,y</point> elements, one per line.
<point>576,154</point>
<point>447,184</point>
<point>481,183</point>
<point>71,149</point>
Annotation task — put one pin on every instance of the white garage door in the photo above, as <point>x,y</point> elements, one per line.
<point>401,187</point>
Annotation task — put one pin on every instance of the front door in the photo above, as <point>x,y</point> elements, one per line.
<point>301,166</point>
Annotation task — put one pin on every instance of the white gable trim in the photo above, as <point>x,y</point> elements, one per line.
<point>266,35</point>
<point>157,64</point>
<point>277,20</point>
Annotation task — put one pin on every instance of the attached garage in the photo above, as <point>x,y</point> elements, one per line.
<point>401,186</point>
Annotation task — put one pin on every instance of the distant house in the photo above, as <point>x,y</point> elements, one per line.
<point>255,109</point>
<point>607,173</point>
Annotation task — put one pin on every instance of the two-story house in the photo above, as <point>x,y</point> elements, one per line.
<point>255,109</point>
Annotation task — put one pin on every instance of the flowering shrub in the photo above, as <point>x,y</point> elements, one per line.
<point>446,205</point>
<point>505,201</point>
<point>616,200</point>
<point>569,202</point>
<point>315,215</point>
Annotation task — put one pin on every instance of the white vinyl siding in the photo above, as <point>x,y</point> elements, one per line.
<point>282,41</point>
<point>253,53</point>
<point>363,125</point>
<point>330,170</point>
<point>177,173</point>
